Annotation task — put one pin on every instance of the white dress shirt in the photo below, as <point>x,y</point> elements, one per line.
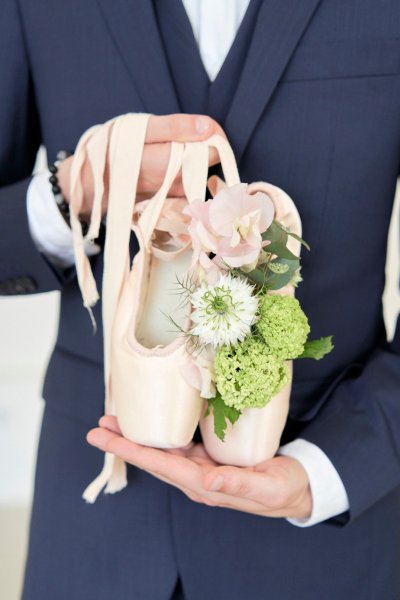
<point>214,27</point>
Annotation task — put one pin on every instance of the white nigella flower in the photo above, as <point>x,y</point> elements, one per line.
<point>223,312</point>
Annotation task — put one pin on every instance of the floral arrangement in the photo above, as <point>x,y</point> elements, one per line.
<point>245,322</point>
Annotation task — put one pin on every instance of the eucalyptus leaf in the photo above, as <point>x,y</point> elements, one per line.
<point>275,233</point>
<point>257,276</point>
<point>277,267</point>
<point>294,235</point>
<point>276,281</point>
<point>299,239</point>
<point>280,250</point>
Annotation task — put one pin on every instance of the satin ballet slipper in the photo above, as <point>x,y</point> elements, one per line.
<point>256,435</point>
<point>154,404</point>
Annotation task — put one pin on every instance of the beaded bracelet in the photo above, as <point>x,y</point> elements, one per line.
<point>55,188</point>
<point>63,206</point>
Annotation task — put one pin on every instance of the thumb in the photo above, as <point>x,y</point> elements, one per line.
<point>240,482</point>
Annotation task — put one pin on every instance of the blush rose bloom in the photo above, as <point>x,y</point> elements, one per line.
<point>230,226</point>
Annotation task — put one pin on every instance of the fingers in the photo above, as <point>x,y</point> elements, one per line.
<point>202,496</point>
<point>152,172</point>
<point>154,164</point>
<point>213,157</point>
<point>178,468</point>
<point>215,184</point>
<point>279,485</point>
<point>178,471</point>
<point>192,451</point>
<point>181,128</point>
<point>246,483</point>
<point>111,423</point>
<point>266,490</point>
<point>175,470</point>
<point>182,451</point>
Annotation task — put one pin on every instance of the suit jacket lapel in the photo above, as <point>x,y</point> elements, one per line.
<point>180,47</point>
<point>133,27</point>
<point>280,24</point>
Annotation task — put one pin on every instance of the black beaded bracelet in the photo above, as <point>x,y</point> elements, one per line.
<point>63,206</point>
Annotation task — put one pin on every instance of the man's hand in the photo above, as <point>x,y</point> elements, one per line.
<point>161,132</point>
<point>277,487</point>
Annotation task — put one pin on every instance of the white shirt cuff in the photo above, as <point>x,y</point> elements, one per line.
<point>49,231</point>
<point>327,489</point>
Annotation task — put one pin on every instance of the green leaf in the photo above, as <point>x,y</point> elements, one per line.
<point>317,349</point>
<point>299,239</point>
<point>280,250</point>
<point>277,267</point>
<point>221,412</point>
<point>276,281</point>
<point>275,233</point>
<point>232,414</point>
<point>293,235</point>
<point>257,276</point>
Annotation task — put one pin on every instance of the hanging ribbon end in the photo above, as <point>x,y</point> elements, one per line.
<point>114,487</point>
<point>118,479</point>
<point>93,320</point>
<point>113,476</point>
<point>92,491</point>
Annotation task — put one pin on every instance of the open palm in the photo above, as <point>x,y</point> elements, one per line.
<point>277,487</point>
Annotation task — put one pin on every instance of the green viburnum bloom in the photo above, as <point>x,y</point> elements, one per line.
<point>247,375</point>
<point>283,325</point>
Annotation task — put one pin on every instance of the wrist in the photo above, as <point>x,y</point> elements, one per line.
<point>302,504</point>
<point>60,185</point>
<point>64,173</point>
<point>54,181</point>
<point>64,177</point>
<point>329,497</point>
<point>302,509</point>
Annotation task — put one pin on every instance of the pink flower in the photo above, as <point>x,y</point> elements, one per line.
<point>200,229</point>
<point>199,372</point>
<point>239,219</point>
<point>203,239</point>
<point>230,226</point>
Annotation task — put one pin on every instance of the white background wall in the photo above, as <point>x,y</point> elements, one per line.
<point>27,327</point>
<point>27,332</point>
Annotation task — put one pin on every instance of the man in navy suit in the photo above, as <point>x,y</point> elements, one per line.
<point>308,96</point>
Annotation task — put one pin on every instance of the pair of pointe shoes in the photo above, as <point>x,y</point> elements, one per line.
<point>157,407</point>
<point>145,388</point>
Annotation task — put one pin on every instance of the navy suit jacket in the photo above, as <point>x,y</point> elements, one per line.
<point>309,97</point>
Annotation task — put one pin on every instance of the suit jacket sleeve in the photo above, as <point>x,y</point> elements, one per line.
<point>358,428</point>
<point>22,268</point>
